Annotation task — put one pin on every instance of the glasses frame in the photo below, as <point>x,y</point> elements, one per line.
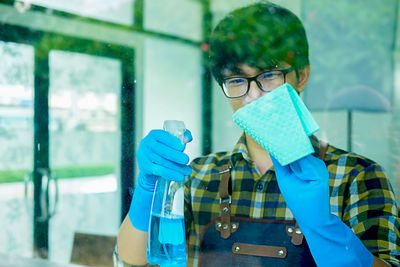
<point>254,78</point>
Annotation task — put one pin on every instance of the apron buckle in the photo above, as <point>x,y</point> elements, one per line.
<point>296,234</point>
<point>227,199</point>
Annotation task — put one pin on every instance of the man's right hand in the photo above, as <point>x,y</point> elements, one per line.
<point>160,154</point>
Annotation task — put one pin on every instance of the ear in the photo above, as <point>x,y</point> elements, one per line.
<point>304,74</point>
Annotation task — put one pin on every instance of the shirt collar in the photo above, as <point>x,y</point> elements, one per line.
<point>240,149</point>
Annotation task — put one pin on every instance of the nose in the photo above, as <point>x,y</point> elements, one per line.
<point>254,91</point>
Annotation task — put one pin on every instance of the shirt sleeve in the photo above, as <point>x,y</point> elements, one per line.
<point>371,211</point>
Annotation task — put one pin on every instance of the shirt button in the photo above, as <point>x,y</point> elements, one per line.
<point>260,187</point>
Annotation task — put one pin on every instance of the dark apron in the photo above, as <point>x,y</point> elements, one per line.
<point>239,241</point>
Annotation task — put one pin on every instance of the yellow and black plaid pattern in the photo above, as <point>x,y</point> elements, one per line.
<point>361,196</point>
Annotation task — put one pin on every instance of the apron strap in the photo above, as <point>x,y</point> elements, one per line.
<point>225,226</point>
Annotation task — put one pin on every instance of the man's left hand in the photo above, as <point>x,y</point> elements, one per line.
<point>304,185</point>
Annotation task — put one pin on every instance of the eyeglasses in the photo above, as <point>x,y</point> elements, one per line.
<point>267,81</point>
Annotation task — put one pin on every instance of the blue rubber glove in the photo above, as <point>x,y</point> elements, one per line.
<point>304,185</point>
<point>160,154</point>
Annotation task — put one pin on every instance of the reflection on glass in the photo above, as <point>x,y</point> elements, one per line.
<point>351,88</point>
<point>84,146</point>
<point>358,67</point>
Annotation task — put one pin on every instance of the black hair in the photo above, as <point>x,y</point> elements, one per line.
<point>261,35</point>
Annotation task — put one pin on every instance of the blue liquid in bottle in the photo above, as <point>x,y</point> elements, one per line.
<point>168,246</point>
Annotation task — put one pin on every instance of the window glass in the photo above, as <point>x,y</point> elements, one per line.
<point>105,83</point>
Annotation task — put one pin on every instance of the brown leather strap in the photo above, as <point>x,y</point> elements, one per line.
<point>225,200</point>
<point>224,181</point>
<point>259,250</point>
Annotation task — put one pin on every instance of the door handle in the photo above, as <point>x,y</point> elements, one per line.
<point>53,179</point>
<point>48,207</point>
<point>28,198</point>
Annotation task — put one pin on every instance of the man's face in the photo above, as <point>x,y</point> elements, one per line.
<point>298,83</point>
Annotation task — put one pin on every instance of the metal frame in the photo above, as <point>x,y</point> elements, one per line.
<point>206,81</point>
<point>136,27</point>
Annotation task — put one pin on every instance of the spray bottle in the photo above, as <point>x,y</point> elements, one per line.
<point>166,243</point>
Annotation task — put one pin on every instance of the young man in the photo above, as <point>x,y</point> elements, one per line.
<point>242,207</point>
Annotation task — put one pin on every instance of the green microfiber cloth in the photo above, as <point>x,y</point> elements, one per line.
<point>280,122</point>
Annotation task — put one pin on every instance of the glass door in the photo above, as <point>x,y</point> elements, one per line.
<point>16,147</point>
<point>66,106</point>
<point>84,132</point>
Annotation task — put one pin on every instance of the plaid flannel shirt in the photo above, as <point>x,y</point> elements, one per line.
<point>360,194</point>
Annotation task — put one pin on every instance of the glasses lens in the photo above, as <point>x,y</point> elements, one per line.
<point>270,80</point>
<point>235,87</point>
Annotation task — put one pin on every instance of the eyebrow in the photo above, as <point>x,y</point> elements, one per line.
<point>236,71</point>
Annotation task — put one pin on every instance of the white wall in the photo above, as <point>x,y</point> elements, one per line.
<point>179,17</point>
<point>172,88</point>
